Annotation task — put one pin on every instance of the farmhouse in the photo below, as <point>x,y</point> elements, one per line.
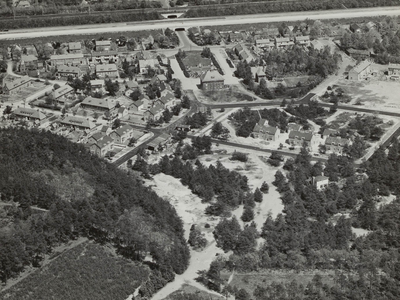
<point>360,71</point>
<point>74,47</point>
<point>12,85</point>
<point>211,80</point>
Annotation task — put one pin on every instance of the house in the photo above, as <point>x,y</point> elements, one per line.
<point>167,100</point>
<point>94,138</point>
<point>137,107</point>
<point>263,131</point>
<point>77,122</point>
<point>104,57</point>
<point>370,26</point>
<point>355,28</point>
<point>122,112</point>
<point>335,144</point>
<point>243,53</point>
<point>195,63</point>
<point>145,64</point>
<point>328,132</point>
<point>159,143</point>
<point>303,40</point>
<point>28,63</point>
<point>105,130</point>
<point>12,85</point>
<point>235,37</point>
<point>320,182</point>
<point>266,44</point>
<point>394,69</point>
<point>24,4</point>
<point>71,59</point>
<point>62,92</point>
<point>183,127</point>
<point>30,114</point>
<point>211,80</point>
<point>294,127</point>
<point>283,42</point>
<point>74,47</point>
<point>153,113</point>
<point>96,104</point>
<point>298,138</point>
<point>271,32</point>
<point>157,79</point>
<point>96,84</point>
<point>65,71</point>
<point>122,134</point>
<point>103,45</point>
<point>107,70</point>
<point>360,71</point>
<point>358,54</point>
<point>194,30</point>
<point>317,45</point>
<point>103,146</point>
<point>132,85</point>
<point>258,73</point>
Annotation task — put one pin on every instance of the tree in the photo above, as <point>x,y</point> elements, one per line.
<point>196,238</point>
<point>219,131</point>
<point>248,214</point>
<point>258,197</point>
<point>116,124</point>
<point>185,102</point>
<point>7,110</point>
<point>226,233</point>
<point>167,115</point>
<point>111,87</point>
<point>242,294</point>
<point>206,52</point>
<point>264,188</point>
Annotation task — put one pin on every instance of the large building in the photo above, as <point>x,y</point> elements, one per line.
<point>64,72</point>
<point>360,71</point>
<point>12,85</point>
<point>103,146</point>
<point>72,59</point>
<point>29,114</point>
<point>107,70</point>
<point>122,134</point>
<point>28,62</point>
<point>77,122</point>
<point>211,80</point>
<point>298,138</point>
<point>97,104</point>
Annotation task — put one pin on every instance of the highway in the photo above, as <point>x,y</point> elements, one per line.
<point>211,21</point>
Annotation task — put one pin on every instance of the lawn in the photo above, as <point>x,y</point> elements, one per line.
<point>231,95</point>
<point>88,271</point>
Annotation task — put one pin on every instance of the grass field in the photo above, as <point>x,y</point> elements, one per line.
<point>88,271</point>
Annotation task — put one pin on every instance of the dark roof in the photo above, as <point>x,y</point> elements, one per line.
<point>307,136</point>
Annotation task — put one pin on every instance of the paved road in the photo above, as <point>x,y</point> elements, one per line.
<point>211,21</point>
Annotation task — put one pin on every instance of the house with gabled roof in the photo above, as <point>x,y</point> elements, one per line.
<point>145,64</point>
<point>283,42</point>
<point>154,113</point>
<point>97,104</point>
<point>12,85</point>
<point>159,142</point>
<point>70,59</point>
<point>303,40</point>
<point>328,132</point>
<point>64,71</point>
<point>335,144</point>
<point>294,127</point>
<point>360,71</point>
<point>94,138</point>
<point>74,47</point>
<point>298,138</point>
<point>77,122</point>
<point>62,92</point>
<point>30,114</point>
<point>168,100</point>
<point>321,182</point>
<point>258,73</point>
<point>105,57</point>
<point>266,44</point>
<point>263,131</point>
<point>103,146</point>
<point>103,45</point>
<point>107,70</point>
<point>211,80</point>
<point>122,134</point>
<point>158,78</point>
<point>28,63</point>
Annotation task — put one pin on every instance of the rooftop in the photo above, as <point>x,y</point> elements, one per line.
<point>77,121</point>
<point>106,68</point>
<point>307,136</point>
<point>101,103</point>
<point>29,112</point>
<point>361,66</point>
<point>211,76</point>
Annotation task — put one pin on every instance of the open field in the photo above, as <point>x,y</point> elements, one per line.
<point>382,95</point>
<point>188,289</point>
<point>88,271</point>
<point>250,281</point>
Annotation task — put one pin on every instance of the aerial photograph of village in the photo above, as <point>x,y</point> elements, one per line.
<point>200,150</point>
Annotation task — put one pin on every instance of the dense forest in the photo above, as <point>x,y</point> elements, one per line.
<point>310,234</point>
<point>55,191</point>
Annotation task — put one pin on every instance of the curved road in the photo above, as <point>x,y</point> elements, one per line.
<point>211,21</point>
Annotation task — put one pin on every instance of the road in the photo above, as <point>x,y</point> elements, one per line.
<point>210,21</point>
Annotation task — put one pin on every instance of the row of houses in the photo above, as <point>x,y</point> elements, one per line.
<point>297,137</point>
<point>282,42</point>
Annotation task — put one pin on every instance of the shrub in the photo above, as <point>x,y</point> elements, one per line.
<point>239,156</point>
